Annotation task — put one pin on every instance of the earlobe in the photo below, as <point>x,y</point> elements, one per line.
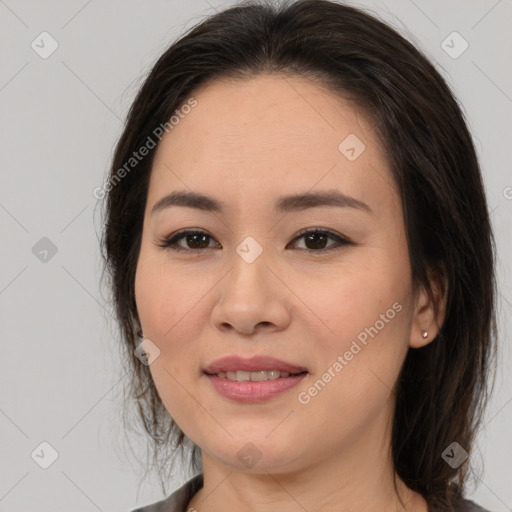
<point>429,314</point>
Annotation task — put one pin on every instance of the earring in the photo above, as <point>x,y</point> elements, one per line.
<point>425,334</point>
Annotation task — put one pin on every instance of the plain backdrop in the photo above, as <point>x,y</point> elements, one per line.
<point>61,115</point>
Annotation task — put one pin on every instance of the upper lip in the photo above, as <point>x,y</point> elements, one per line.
<point>251,364</point>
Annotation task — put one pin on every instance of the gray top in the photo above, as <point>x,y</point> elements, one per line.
<point>179,499</point>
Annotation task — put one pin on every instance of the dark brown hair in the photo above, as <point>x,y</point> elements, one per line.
<point>443,387</point>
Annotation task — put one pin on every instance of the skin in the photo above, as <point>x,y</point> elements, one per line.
<point>247,143</point>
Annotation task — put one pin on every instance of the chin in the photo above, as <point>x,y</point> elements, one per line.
<point>258,455</point>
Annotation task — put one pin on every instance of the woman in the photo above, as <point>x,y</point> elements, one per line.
<point>302,266</point>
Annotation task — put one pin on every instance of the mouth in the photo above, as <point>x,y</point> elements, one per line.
<point>253,379</point>
<point>257,376</point>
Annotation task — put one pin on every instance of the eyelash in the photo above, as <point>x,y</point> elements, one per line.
<point>170,242</point>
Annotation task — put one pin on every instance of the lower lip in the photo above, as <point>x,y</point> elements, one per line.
<point>249,391</point>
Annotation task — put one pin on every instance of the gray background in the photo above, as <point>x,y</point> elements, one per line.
<point>60,117</point>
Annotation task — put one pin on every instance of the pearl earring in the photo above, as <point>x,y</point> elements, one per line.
<point>425,334</point>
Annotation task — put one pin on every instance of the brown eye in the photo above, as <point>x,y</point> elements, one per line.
<point>316,240</point>
<point>194,240</point>
<point>197,240</point>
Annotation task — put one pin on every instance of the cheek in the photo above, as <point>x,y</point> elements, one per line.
<point>166,300</point>
<point>360,356</point>
<point>354,382</point>
<point>351,299</point>
<point>172,318</point>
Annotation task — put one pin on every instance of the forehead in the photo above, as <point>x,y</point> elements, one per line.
<point>269,133</point>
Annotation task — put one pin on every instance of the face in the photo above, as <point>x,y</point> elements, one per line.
<point>254,279</point>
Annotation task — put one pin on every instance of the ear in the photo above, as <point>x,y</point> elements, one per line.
<point>430,311</point>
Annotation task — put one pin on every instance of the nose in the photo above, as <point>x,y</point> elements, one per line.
<point>253,297</point>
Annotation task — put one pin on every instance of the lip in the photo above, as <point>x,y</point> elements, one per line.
<point>248,391</point>
<point>251,391</point>
<point>251,364</point>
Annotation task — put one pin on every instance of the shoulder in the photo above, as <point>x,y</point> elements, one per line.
<point>469,506</point>
<point>178,500</point>
<point>462,505</point>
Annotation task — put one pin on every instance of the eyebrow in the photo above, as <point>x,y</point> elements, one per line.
<point>290,203</point>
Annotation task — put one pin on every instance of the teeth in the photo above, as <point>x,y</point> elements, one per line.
<point>243,376</point>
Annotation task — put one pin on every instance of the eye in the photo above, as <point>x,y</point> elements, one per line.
<point>315,240</point>
<point>199,240</point>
